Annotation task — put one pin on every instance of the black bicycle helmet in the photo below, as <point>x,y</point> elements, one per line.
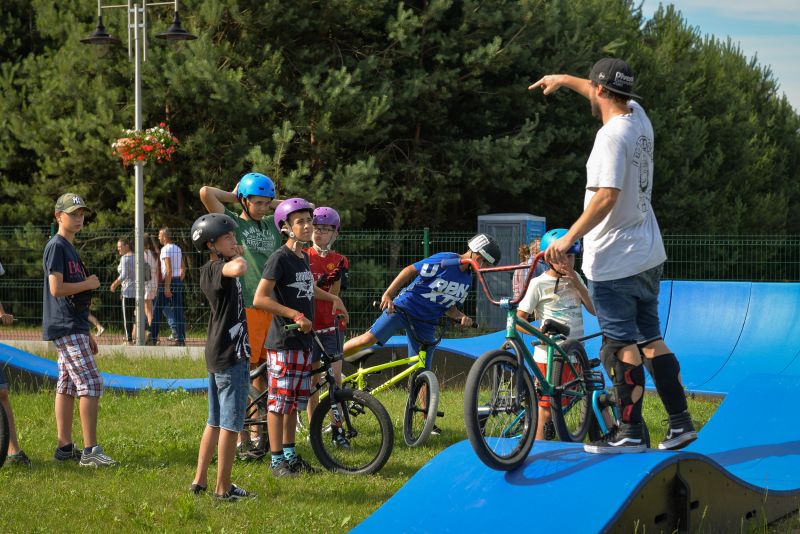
<point>207,228</point>
<point>487,247</point>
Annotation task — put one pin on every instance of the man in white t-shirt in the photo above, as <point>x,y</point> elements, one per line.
<point>169,298</point>
<point>624,255</point>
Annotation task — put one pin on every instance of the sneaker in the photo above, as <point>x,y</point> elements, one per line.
<point>19,458</point>
<point>436,431</point>
<point>626,438</point>
<point>96,458</point>
<point>235,494</point>
<point>298,465</point>
<point>251,450</point>
<point>197,489</point>
<point>681,432</point>
<point>72,454</point>
<point>282,470</point>
<point>549,430</point>
<point>340,440</point>
<point>100,330</point>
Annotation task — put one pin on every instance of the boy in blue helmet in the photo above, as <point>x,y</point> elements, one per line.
<point>257,239</point>
<point>556,294</point>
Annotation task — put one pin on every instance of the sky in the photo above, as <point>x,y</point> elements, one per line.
<point>767,29</point>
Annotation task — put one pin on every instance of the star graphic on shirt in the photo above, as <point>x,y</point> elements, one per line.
<point>305,289</point>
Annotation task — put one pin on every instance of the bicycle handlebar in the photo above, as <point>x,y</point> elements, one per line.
<point>479,274</point>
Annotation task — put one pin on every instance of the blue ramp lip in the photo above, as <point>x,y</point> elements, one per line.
<point>48,369</point>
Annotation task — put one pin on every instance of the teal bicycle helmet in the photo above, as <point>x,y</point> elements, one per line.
<point>556,234</point>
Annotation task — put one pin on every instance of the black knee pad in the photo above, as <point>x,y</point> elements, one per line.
<point>608,353</point>
<point>626,378</point>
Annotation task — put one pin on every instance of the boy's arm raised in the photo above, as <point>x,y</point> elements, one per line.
<point>214,199</point>
<point>235,267</point>
<point>402,279</point>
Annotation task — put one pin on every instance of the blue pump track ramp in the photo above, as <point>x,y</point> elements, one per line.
<point>735,474</point>
<point>19,361</point>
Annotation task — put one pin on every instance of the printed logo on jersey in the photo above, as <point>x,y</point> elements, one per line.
<point>304,285</point>
<point>429,269</point>
<point>446,293</point>
<point>258,240</point>
<point>643,161</point>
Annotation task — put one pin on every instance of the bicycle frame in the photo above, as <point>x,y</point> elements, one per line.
<point>514,324</point>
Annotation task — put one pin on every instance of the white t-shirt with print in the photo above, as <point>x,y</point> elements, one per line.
<point>563,306</point>
<point>627,241</point>
<point>173,252</point>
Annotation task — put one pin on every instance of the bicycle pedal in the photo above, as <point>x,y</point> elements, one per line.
<point>439,414</point>
<point>594,362</point>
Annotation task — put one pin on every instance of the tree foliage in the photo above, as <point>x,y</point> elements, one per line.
<point>399,113</point>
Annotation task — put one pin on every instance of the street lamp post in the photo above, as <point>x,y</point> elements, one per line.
<point>137,38</point>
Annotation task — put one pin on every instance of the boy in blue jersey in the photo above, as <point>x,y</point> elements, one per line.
<point>436,290</point>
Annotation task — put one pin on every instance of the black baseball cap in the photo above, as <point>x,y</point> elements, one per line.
<point>615,75</point>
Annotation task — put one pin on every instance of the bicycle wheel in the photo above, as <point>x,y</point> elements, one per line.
<point>571,407</point>
<point>421,408</point>
<point>255,419</point>
<point>367,427</point>
<point>5,435</point>
<point>500,410</point>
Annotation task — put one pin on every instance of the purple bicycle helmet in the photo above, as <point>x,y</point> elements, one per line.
<point>289,206</point>
<point>325,215</point>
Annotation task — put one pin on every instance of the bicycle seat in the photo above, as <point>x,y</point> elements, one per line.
<point>359,357</point>
<point>551,327</point>
<point>261,370</point>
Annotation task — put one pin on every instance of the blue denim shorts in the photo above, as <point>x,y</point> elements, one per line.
<point>227,396</point>
<point>627,308</point>
<point>389,324</point>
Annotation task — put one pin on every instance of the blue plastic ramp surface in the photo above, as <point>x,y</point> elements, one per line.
<point>11,357</point>
<point>770,339</point>
<point>728,460</point>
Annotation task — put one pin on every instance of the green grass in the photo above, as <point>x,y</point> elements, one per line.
<point>155,437</point>
<point>115,361</point>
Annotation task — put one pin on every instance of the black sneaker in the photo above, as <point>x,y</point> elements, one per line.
<point>235,494</point>
<point>681,432</point>
<point>19,458</point>
<point>298,465</point>
<point>626,438</point>
<point>73,454</point>
<point>340,440</point>
<point>282,470</point>
<point>197,489</point>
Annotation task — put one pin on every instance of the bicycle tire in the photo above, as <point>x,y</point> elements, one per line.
<point>572,412</point>
<point>371,434</point>
<point>256,417</point>
<point>490,391</point>
<point>418,422</point>
<point>5,434</point>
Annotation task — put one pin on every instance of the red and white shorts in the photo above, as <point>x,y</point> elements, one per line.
<point>77,372</point>
<point>289,380</point>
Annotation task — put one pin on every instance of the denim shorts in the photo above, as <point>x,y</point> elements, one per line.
<point>333,343</point>
<point>389,324</point>
<point>627,308</point>
<point>227,396</point>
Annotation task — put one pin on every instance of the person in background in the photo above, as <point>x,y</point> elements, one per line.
<point>126,279</point>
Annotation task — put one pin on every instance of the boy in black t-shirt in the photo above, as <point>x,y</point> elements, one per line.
<point>227,353</point>
<point>66,297</point>
<point>287,290</point>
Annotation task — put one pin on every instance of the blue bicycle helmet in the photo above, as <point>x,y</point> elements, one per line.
<point>255,184</point>
<point>556,234</point>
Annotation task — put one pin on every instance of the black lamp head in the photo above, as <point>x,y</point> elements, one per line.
<point>100,36</point>
<point>175,32</point>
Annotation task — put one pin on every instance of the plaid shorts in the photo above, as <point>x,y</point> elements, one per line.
<point>77,373</point>
<point>289,380</point>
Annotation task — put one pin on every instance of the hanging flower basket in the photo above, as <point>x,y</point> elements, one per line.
<point>155,144</point>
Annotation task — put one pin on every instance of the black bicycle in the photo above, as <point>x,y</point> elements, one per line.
<point>355,414</point>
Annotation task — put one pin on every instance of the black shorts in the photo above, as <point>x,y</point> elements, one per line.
<point>333,343</point>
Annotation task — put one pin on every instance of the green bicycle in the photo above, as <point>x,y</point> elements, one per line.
<point>421,410</point>
<point>500,398</point>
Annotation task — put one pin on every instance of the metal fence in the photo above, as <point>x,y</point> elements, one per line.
<point>376,256</point>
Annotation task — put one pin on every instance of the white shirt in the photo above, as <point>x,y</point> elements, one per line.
<point>563,306</point>
<point>627,241</point>
<point>173,252</point>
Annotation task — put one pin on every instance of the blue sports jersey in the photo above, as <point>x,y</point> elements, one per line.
<point>436,289</point>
